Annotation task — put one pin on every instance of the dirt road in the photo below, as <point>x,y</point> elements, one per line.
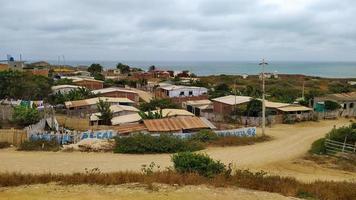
<point>276,156</point>
<point>132,192</point>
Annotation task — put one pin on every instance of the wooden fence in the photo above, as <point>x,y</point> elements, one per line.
<point>333,147</point>
<point>13,136</point>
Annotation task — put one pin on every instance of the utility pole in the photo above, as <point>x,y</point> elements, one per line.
<point>263,63</point>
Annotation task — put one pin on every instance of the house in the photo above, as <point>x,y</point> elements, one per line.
<point>16,65</point>
<point>347,102</point>
<point>41,64</point>
<point>118,92</point>
<point>180,93</point>
<point>183,124</point>
<point>88,106</point>
<point>89,83</point>
<point>224,106</point>
<point>4,67</point>
<point>126,119</point>
<point>136,118</point>
<point>83,74</point>
<point>227,104</point>
<point>63,89</point>
<point>117,110</point>
<point>199,108</point>
<point>38,72</point>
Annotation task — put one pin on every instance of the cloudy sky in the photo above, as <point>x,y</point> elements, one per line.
<point>175,30</point>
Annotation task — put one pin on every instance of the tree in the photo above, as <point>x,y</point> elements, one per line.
<point>254,108</point>
<point>73,95</point>
<point>105,112</point>
<point>220,90</point>
<point>25,116</point>
<point>63,81</point>
<point>157,104</point>
<point>99,76</point>
<point>332,105</point>
<point>124,69</point>
<point>151,115</point>
<point>21,85</point>
<point>95,69</point>
<point>152,68</point>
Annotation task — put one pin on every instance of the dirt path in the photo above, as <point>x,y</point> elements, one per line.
<point>132,192</point>
<point>276,156</point>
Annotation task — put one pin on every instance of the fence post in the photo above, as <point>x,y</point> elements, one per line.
<point>343,147</point>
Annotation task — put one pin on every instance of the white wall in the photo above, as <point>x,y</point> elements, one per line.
<point>196,92</point>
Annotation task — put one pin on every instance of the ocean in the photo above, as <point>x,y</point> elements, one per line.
<point>203,68</point>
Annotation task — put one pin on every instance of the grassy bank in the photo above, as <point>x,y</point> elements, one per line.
<point>258,181</point>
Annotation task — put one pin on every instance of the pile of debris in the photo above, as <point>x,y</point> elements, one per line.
<point>91,145</point>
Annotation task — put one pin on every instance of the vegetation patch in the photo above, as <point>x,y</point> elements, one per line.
<point>145,143</point>
<point>4,145</point>
<point>322,190</point>
<point>343,134</point>
<point>39,145</point>
<point>202,164</point>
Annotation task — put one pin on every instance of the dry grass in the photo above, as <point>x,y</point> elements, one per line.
<point>258,181</point>
<point>333,162</point>
<point>238,141</point>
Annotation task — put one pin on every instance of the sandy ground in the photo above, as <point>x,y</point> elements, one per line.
<point>132,192</point>
<point>276,157</point>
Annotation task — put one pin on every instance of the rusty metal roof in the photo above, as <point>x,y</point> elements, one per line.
<point>129,128</point>
<point>174,124</point>
<point>351,96</point>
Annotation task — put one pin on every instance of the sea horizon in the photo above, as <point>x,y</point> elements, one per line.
<point>328,69</point>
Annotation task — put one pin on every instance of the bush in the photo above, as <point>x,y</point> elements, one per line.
<point>318,147</point>
<point>238,141</point>
<point>25,116</point>
<point>341,133</point>
<point>4,145</point>
<point>144,143</point>
<point>205,136</point>
<point>332,105</point>
<point>202,164</point>
<point>39,145</point>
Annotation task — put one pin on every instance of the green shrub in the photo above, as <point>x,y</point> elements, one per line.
<point>205,136</point>
<point>318,147</point>
<point>39,145</point>
<point>4,145</point>
<point>145,143</point>
<point>25,116</point>
<point>202,164</point>
<point>332,105</point>
<point>341,133</point>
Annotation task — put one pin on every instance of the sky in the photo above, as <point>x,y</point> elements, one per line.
<point>179,30</point>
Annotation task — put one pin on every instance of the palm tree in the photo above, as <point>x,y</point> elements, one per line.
<point>105,113</point>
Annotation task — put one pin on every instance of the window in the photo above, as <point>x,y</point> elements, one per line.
<point>345,106</point>
<point>181,93</point>
<point>190,93</point>
<point>351,105</point>
<point>167,92</point>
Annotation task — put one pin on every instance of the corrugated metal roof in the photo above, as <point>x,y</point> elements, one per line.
<point>167,112</point>
<point>233,100</point>
<point>92,101</point>
<point>125,119</point>
<point>174,124</point>
<point>129,128</point>
<point>112,89</point>
<point>294,108</point>
<point>199,102</point>
<point>270,104</point>
<point>351,96</point>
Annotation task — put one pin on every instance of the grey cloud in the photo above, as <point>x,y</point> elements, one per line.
<point>179,29</point>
